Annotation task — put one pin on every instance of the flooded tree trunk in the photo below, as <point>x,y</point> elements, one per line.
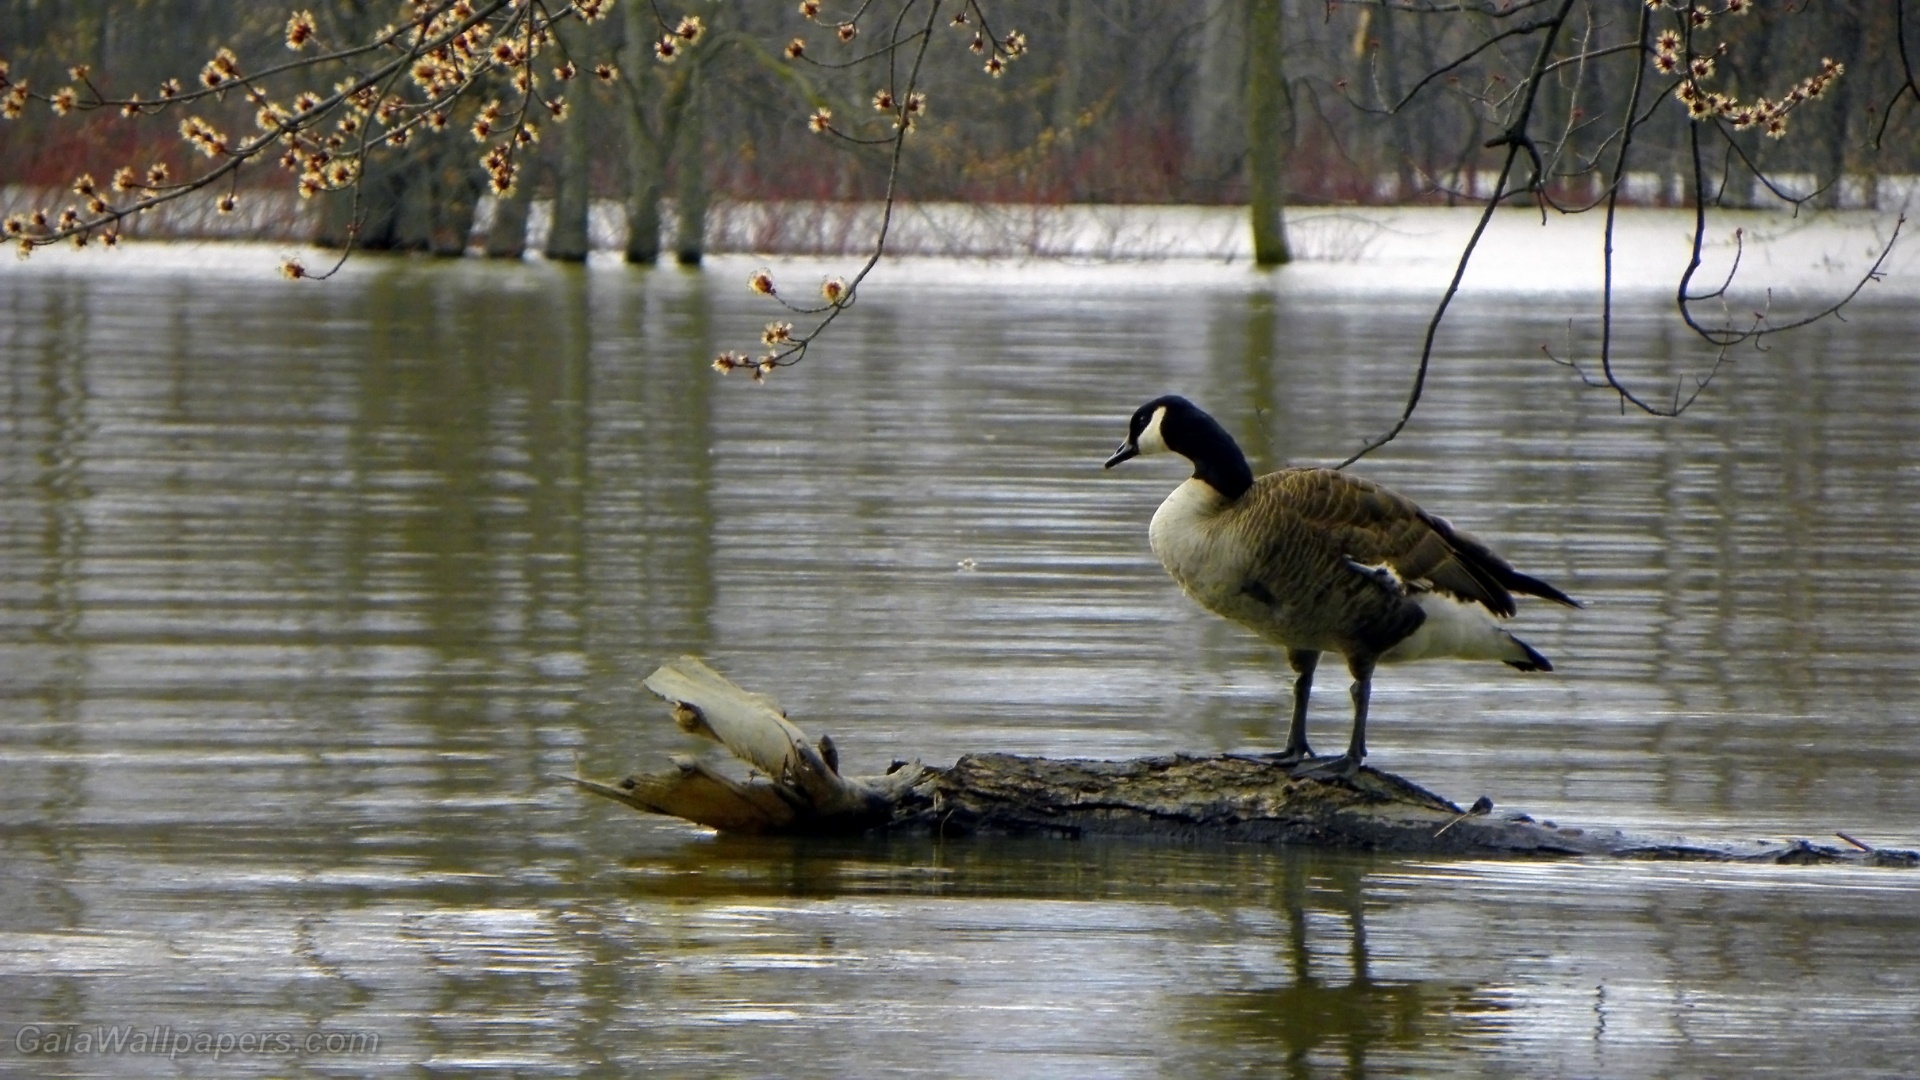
<point>443,207</point>
<point>507,236</point>
<point>656,104</point>
<point>643,191</point>
<point>571,193</point>
<point>646,157</point>
<point>1267,128</point>
<point>423,199</point>
<point>797,788</point>
<point>691,193</point>
<point>420,196</point>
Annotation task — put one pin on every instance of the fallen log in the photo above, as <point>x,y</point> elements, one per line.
<point>796,787</point>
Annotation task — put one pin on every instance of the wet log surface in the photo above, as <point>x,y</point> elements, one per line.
<point>794,786</point>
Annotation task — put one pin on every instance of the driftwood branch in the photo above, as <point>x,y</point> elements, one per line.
<point>796,787</point>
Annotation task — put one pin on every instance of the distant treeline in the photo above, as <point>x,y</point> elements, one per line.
<point>1116,101</point>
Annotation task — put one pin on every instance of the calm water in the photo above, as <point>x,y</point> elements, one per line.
<point>308,592</point>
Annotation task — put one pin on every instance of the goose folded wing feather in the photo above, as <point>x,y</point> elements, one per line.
<point>1372,526</point>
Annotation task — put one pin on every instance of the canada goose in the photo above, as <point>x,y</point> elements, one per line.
<point>1317,560</point>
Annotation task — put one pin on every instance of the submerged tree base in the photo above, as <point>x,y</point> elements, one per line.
<point>797,788</point>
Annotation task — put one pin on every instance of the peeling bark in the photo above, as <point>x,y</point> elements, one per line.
<point>796,787</point>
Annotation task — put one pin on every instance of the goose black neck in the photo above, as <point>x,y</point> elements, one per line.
<point>1217,460</point>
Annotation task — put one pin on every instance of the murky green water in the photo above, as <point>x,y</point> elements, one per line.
<point>307,593</point>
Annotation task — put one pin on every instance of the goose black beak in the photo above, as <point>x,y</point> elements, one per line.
<point>1127,450</point>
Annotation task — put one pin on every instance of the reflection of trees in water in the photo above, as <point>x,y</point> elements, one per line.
<point>51,417</point>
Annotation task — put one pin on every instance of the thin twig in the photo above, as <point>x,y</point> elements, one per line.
<point>1515,138</point>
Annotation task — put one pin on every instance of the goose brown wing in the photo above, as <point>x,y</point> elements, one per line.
<point>1375,526</point>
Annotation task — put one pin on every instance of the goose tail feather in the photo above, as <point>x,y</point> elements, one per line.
<point>1535,660</point>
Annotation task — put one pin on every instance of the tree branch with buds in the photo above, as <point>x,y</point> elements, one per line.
<point>903,105</point>
<point>1676,68</point>
<point>404,80</point>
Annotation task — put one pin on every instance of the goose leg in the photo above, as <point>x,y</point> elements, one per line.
<point>1362,693</point>
<point>1347,764</point>
<point>1303,662</point>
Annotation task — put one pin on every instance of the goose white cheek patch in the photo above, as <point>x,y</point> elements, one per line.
<point>1150,440</point>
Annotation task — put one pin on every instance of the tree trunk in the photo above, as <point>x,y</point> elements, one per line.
<point>419,199</point>
<point>446,196</point>
<point>691,192</point>
<point>571,193</point>
<point>1217,110</point>
<point>1266,133</point>
<point>799,789</point>
<point>367,218</point>
<point>643,191</point>
<point>1395,149</point>
<point>646,165</point>
<point>1078,49</point>
<point>507,236</point>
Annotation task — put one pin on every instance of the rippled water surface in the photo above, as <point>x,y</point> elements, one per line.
<point>308,593</point>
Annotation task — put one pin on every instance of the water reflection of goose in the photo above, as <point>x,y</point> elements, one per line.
<point>1316,1009</point>
<point>1316,560</point>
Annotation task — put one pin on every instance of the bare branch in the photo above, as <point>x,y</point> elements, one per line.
<point>1909,85</point>
<point>1515,138</point>
<point>1493,9</point>
<point>788,348</point>
<point>1515,31</point>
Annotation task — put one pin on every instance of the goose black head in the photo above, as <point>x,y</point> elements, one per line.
<point>1172,423</point>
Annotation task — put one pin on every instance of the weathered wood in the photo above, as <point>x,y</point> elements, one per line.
<point>800,788</point>
<point>797,788</point>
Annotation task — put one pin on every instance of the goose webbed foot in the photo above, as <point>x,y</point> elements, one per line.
<point>1280,759</point>
<point>1343,767</point>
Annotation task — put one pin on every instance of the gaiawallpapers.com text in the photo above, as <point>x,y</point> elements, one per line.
<point>164,1040</point>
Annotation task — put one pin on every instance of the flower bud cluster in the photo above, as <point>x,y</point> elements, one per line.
<point>1674,55</point>
<point>405,80</point>
<point>682,37</point>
